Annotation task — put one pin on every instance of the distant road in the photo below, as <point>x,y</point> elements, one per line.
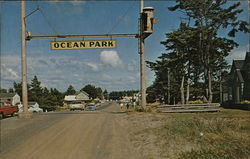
<point>67,135</point>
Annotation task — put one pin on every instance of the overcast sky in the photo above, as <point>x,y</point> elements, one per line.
<point>111,69</point>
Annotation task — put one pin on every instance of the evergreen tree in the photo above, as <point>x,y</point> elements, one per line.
<point>36,91</point>
<point>195,51</point>
<point>70,91</point>
<point>105,94</point>
<point>18,89</point>
<point>91,90</point>
<point>99,93</point>
<point>10,90</point>
<point>56,97</point>
<point>209,17</point>
<point>2,90</point>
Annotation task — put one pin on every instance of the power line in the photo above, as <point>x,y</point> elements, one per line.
<point>47,21</point>
<point>122,17</point>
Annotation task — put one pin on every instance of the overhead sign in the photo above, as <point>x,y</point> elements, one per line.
<point>83,44</point>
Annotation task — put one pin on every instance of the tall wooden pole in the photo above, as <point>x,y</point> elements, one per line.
<point>24,60</point>
<point>142,61</point>
<point>168,85</point>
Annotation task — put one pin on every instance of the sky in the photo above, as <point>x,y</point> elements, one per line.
<point>111,69</point>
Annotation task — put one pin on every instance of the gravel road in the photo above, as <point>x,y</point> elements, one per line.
<point>68,135</point>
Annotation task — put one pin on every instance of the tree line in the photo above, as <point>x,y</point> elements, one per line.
<point>195,60</point>
<point>52,97</point>
<point>117,95</point>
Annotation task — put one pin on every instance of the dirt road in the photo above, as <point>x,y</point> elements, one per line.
<point>78,135</point>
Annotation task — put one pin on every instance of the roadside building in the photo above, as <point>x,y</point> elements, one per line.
<point>81,96</point>
<point>239,80</point>
<point>10,98</point>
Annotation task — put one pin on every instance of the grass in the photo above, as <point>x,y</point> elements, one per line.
<point>223,135</point>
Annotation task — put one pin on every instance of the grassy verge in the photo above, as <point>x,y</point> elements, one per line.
<point>223,135</point>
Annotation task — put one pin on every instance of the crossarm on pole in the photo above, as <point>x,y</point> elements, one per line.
<point>29,37</point>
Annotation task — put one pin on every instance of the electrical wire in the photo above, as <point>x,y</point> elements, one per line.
<point>47,21</point>
<point>122,17</point>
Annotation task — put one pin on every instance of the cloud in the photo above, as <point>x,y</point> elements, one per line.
<point>77,2</point>
<point>8,73</point>
<point>61,71</point>
<point>132,66</point>
<point>111,58</point>
<point>93,66</point>
<point>70,7</point>
<point>238,53</point>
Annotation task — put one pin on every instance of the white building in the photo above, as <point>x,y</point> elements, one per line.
<point>10,98</point>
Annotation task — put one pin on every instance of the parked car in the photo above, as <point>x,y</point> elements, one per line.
<point>6,109</point>
<point>47,108</point>
<point>35,109</point>
<point>76,106</point>
<point>91,107</point>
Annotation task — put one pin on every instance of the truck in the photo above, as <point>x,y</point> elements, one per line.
<point>7,109</point>
<point>76,106</point>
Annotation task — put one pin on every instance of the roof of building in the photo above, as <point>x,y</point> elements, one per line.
<point>238,63</point>
<point>32,103</point>
<point>239,74</point>
<point>70,98</point>
<point>241,68</point>
<point>246,65</point>
<point>82,92</point>
<point>7,95</point>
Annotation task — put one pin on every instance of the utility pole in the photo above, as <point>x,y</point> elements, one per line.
<point>168,85</point>
<point>142,61</point>
<point>25,113</point>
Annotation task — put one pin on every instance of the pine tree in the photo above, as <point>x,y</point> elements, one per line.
<point>195,51</point>
<point>70,91</point>
<point>36,91</point>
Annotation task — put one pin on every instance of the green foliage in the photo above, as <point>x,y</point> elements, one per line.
<point>99,93</point>
<point>94,92</point>
<point>43,96</point>
<point>2,90</point>
<point>10,90</point>
<point>70,91</point>
<point>36,91</point>
<point>105,94</point>
<point>91,90</point>
<point>139,109</point>
<point>117,95</point>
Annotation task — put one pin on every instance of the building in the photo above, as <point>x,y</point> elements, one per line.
<point>10,98</point>
<point>239,81</point>
<point>81,96</point>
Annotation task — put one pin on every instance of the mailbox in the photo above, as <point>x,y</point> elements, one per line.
<point>148,20</point>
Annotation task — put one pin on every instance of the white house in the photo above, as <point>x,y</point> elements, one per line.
<point>78,97</point>
<point>10,98</point>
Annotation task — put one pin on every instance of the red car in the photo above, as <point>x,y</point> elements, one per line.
<point>6,109</point>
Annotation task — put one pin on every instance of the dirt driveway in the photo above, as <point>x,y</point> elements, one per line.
<point>77,135</point>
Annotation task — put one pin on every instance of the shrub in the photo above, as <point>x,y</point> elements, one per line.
<point>245,102</point>
<point>195,102</point>
<point>139,109</point>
